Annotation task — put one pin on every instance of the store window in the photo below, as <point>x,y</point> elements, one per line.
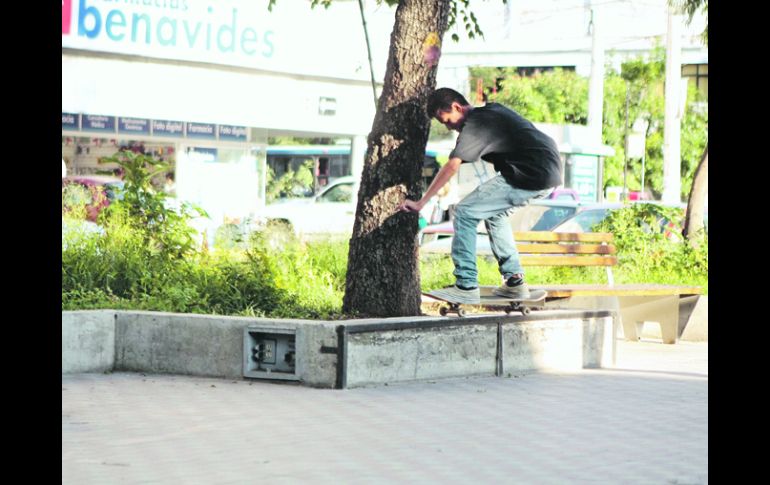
<point>87,156</point>
<point>697,75</point>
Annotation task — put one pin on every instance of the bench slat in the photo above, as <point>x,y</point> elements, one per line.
<point>566,248</point>
<point>559,260</point>
<point>547,236</point>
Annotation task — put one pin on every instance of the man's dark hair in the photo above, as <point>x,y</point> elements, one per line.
<point>442,99</point>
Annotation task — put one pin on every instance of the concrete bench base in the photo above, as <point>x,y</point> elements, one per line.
<point>666,317</point>
<point>341,354</point>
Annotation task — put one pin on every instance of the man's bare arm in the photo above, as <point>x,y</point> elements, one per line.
<point>442,177</point>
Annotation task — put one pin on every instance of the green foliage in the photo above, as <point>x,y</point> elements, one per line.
<point>690,7</point>
<point>649,251</point>
<point>436,271</point>
<point>556,96</point>
<point>642,81</point>
<point>81,202</point>
<point>163,228</point>
<point>650,248</point>
<point>293,140</point>
<point>560,96</point>
<point>273,274</point>
<point>460,9</point>
<point>291,184</point>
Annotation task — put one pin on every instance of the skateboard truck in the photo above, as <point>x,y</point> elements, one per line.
<point>536,300</point>
<point>455,308</point>
<point>452,308</point>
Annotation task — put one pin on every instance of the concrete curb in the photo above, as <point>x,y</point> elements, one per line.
<point>339,354</point>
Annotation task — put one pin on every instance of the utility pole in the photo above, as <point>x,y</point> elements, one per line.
<point>624,196</point>
<point>596,83</point>
<point>672,181</point>
<point>369,53</point>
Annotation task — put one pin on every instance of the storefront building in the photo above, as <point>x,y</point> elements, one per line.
<point>202,84</point>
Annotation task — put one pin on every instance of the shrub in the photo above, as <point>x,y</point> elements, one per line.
<point>142,258</point>
<point>163,227</point>
<point>651,249</point>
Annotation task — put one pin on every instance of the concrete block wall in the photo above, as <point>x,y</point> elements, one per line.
<point>556,340</point>
<point>87,341</point>
<point>315,368</point>
<point>185,344</point>
<point>338,354</point>
<point>563,345</point>
<point>415,354</point>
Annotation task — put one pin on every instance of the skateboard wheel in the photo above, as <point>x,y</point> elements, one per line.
<point>442,311</point>
<point>525,310</point>
<point>461,312</point>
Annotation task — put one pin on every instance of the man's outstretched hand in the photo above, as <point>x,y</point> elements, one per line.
<point>410,206</point>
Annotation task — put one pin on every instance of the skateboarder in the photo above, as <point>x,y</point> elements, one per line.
<point>528,165</point>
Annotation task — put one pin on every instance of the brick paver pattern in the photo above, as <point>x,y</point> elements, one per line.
<point>643,421</point>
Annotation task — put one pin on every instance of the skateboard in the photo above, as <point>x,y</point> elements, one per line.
<point>535,300</point>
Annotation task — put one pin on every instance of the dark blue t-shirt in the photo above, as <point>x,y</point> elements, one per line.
<point>524,155</point>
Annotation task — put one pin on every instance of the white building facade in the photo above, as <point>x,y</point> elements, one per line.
<point>204,83</point>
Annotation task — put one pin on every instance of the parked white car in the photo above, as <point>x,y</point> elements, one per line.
<point>539,215</point>
<point>332,211</point>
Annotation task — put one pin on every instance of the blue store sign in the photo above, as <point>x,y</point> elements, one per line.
<point>173,129</point>
<point>70,121</point>
<point>234,133</point>
<point>134,125</point>
<point>203,131</point>
<point>103,124</point>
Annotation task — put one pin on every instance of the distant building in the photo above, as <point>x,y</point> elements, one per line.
<point>203,84</point>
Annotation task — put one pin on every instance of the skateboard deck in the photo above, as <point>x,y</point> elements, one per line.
<point>488,299</point>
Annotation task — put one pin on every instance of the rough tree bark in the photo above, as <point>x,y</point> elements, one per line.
<point>383,272</point>
<point>693,221</point>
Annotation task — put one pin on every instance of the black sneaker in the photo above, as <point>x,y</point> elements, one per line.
<point>513,288</point>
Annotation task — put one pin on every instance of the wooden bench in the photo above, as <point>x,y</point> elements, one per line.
<point>636,303</point>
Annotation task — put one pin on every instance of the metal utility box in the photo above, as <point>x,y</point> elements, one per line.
<point>269,353</point>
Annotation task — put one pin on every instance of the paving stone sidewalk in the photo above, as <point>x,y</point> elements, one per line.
<point>643,421</point>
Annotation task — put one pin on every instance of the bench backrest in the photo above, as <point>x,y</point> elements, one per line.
<point>545,248</point>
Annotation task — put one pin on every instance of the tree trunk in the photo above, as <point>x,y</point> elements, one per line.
<point>383,268</point>
<point>693,221</point>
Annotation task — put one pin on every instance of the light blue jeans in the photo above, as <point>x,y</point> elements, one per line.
<point>491,202</point>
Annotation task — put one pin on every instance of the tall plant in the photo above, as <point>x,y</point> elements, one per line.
<point>291,183</point>
<point>164,228</point>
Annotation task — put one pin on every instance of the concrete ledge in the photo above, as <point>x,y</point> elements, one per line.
<point>561,345</point>
<point>378,357</point>
<point>186,344</point>
<point>340,354</point>
<point>429,348</point>
<point>87,341</point>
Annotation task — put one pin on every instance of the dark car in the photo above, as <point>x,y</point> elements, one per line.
<point>587,219</point>
<point>102,190</point>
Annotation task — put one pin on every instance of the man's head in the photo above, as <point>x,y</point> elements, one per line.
<point>449,107</point>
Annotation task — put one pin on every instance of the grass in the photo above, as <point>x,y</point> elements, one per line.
<point>273,274</point>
